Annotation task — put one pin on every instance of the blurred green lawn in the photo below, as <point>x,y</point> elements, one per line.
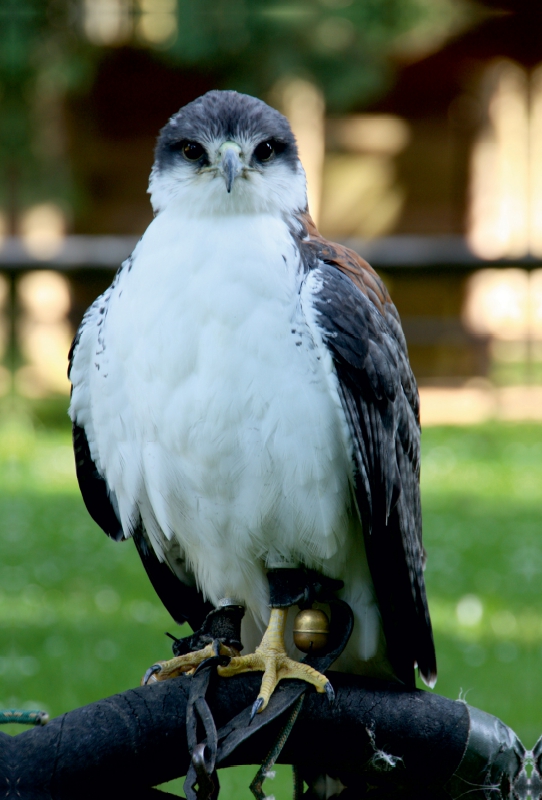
<point>79,620</point>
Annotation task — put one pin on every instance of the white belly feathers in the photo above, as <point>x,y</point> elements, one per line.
<point>212,409</point>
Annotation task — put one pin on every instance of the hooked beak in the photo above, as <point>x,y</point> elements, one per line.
<point>230,164</point>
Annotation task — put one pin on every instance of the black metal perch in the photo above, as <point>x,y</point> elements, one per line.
<point>376,740</point>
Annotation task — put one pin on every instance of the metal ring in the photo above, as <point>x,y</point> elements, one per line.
<point>201,759</point>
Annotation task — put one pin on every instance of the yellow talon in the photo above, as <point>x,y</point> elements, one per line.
<point>271,659</point>
<point>163,670</point>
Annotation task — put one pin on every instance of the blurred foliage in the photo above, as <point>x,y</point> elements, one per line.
<point>344,46</point>
<point>41,58</point>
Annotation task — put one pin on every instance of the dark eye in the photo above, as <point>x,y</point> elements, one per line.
<point>264,151</point>
<point>192,151</point>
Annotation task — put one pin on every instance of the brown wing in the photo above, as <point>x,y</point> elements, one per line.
<point>351,263</point>
<point>362,330</point>
<point>367,280</point>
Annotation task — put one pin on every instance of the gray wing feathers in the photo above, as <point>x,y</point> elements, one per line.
<point>380,400</point>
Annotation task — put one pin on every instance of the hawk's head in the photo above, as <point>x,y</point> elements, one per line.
<point>228,153</point>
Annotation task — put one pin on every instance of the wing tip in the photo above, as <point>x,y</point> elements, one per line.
<point>117,535</point>
<point>429,677</point>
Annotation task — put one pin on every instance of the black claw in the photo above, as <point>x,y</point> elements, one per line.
<point>330,692</point>
<point>150,672</point>
<point>258,703</point>
<point>204,664</point>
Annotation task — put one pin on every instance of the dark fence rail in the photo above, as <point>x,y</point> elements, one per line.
<point>428,278</point>
<point>387,253</point>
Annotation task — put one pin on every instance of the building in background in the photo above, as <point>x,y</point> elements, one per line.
<point>423,141</point>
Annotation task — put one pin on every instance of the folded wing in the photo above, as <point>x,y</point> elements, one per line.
<point>361,328</point>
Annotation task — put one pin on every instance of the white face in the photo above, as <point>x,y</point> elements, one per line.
<point>236,176</point>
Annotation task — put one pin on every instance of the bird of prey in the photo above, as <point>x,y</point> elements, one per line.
<point>243,405</point>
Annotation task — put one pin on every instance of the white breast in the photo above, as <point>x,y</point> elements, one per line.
<point>214,407</point>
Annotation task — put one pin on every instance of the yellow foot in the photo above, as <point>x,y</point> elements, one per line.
<point>163,670</point>
<point>271,659</point>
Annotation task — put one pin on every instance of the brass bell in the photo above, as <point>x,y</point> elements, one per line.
<point>311,630</point>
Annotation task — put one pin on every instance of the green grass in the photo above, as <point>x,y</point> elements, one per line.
<point>79,620</point>
<point>482,501</point>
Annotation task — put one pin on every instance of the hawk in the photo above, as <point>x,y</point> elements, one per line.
<point>243,405</point>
